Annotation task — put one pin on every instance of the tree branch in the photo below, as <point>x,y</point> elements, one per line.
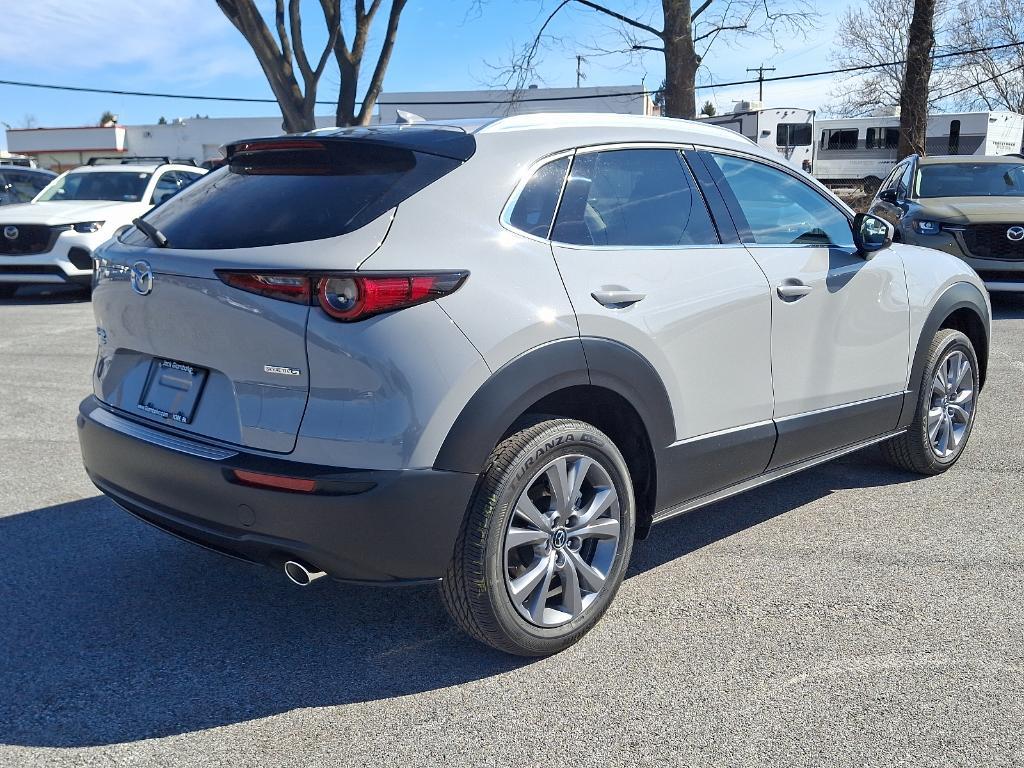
<point>617,16</point>
<point>699,11</point>
<point>716,30</point>
<point>377,79</point>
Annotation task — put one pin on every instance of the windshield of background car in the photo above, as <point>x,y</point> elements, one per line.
<point>117,186</point>
<point>971,180</point>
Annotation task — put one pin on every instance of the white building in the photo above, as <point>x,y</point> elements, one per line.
<point>200,139</point>
<point>452,105</point>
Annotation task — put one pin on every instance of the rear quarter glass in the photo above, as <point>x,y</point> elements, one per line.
<point>285,198</point>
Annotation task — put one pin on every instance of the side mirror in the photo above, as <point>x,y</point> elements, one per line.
<point>871,233</point>
<point>888,196</point>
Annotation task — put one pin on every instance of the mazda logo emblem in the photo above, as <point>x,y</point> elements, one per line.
<point>11,233</point>
<point>1016,234</point>
<point>142,277</point>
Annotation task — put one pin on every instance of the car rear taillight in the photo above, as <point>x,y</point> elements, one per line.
<point>294,288</point>
<point>352,296</point>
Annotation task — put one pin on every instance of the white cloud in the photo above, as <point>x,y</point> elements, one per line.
<point>185,41</point>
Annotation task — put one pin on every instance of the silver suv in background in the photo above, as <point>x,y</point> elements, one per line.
<point>496,353</point>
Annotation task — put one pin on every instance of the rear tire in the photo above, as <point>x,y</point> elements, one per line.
<point>546,540</point>
<point>946,406</point>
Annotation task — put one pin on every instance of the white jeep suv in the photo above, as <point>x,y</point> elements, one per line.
<point>52,238</point>
<point>494,354</point>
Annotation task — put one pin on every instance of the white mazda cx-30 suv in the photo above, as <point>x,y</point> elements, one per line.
<point>52,238</point>
<point>494,354</point>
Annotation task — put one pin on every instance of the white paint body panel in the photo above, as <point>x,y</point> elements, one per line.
<point>704,324</point>
<point>846,340</point>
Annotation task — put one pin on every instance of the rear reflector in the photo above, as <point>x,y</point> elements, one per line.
<point>349,296</point>
<point>278,482</point>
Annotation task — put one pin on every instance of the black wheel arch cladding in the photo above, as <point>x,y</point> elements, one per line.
<point>542,371</point>
<point>961,307</point>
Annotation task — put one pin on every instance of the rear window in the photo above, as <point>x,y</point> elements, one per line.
<point>793,135</point>
<point>293,192</point>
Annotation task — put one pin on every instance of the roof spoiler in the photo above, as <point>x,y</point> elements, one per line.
<point>427,138</point>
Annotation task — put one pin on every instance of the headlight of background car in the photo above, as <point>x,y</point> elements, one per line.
<point>87,227</point>
<point>926,227</point>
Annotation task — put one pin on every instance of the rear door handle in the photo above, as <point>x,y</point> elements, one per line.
<point>618,299</point>
<point>791,291</point>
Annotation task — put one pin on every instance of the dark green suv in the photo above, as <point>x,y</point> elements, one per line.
<point>972,207</point>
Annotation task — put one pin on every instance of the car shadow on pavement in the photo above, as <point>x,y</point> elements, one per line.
<point>31,295</point>
<point>114,632</point>
<point>1007,306</point>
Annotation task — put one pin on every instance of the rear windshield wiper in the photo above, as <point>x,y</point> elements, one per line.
<point>151,232</point>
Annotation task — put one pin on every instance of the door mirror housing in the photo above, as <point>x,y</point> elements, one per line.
<point>887,196</point>
<point>871,234</point>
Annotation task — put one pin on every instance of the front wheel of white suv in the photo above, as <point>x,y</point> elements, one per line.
<point>546,539</point>
<point>945,409</point>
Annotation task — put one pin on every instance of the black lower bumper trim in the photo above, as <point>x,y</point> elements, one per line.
<point>402,528</point>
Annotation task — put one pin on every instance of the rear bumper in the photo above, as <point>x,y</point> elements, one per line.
<point>360,525</point>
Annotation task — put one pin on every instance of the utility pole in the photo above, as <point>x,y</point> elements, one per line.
<point>579,70</point>
<point>760,79</point>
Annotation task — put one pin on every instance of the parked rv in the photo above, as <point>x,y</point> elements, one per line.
<point>786,130</point>
<point>864,149</point>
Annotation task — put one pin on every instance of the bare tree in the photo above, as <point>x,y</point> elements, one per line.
<point>350,60</point>
<point>916,77</point>
<point>682,34</point>
<point>279,57</point>
<point>858,95</point>
<point>293,76</point>
<point>989,79</point>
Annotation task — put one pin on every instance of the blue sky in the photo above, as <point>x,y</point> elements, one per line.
<point>187,46</point>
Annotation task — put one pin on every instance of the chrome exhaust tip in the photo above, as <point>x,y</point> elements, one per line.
<point>301,574</point>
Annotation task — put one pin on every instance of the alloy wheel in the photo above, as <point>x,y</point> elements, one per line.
<point>561,540</point>
<point>952,405</point>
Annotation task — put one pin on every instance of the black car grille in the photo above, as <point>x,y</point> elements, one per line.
<point>989,241</point>
<point>19,239</point>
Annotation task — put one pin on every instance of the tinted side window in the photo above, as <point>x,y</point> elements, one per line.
<point>632,197</point>
<point>903,186</point>
<point>166,187</point>
<point>893,178</point>
<point>187,177</point>
<point>781,209</point>
<point>535,206</point>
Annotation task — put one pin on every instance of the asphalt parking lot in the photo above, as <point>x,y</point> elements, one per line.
<point>852,615</point>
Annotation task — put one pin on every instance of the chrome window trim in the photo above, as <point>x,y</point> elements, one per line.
<point>506,212</point>
<point>809,182</point>
<point>816,187</point>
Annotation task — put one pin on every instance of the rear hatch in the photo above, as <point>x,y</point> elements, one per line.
<point>181,347</point>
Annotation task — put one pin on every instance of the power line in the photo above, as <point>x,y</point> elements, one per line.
<point>253,100</point>
<point>977,84</point>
